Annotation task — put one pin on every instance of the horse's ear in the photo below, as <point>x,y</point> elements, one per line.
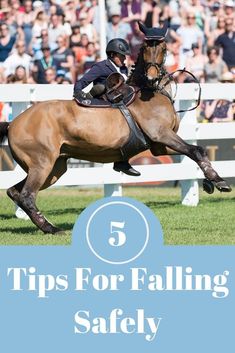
<point>142,27</point>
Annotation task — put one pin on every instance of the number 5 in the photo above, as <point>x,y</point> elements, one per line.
<point>120,237</point>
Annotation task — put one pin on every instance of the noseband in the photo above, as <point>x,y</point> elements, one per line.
<point>159,67</point>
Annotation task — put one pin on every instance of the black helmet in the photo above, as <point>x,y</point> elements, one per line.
<point>118,45</point>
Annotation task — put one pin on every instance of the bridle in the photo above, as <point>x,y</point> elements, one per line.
<point>156,84</point>
<point>159,67</point>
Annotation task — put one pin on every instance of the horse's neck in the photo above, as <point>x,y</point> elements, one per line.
<point>166,84</point>
<point>137,76</point>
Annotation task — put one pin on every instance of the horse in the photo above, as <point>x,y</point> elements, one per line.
<point>47,134</point>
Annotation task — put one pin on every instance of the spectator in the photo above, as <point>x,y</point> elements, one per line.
<point>50,75</point>
<point>215,33</point>
<point>40,23</point>
<point>32,15</point>
<point>75,37</point>
<point>93,15</point>
<point>80,49</point>
<point>82,9</point>
<point>44,63</point>
<point>212,18</point>
<point>53,10</point>
<point>56,28</point>
<point>175,15</point>
<point>195,63</point>
<point>227,42</point>
<point>135,40</point>
<point>70,11</point>
<point>37,43</point>
<point>150,13</point>
<point>173,57</point>
<point>197,8</point>
<point>171,35</point>
<point>229,9</point>
<point>131,11</point>
<point>116,28</point>
<point>189,34</point>
<point>64,57</point>
<point>87,28</point>
<point>220,110</point>
<point>66,81</point>
<point>215,67</point>
<point>90,58</point>
<point>11,16</point>
<point>26,20</point>
<point>20,75</point>
<point>5,111</point>
<point>4,9</point>
<point>60,75</point>
<point>6,42</point>
<point>18,58</point>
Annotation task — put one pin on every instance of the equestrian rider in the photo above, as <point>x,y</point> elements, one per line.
<point>116,51</point>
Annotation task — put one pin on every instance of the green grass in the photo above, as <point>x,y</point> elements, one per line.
<point>212,222</point>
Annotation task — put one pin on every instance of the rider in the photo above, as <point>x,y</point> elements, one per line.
<point>116,51</point>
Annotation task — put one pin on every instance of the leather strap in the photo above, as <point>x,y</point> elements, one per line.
<point>138,141</point>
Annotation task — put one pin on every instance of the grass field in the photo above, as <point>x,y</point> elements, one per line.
<point>212,222</point>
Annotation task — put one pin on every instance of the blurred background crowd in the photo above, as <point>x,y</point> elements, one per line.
<point>57,41</point>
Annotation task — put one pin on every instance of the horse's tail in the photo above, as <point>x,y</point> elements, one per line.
<point>3,130</point>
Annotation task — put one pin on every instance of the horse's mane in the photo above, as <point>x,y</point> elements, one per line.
<point>136,76</point>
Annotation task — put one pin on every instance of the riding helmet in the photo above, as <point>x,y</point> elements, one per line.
<point>118,45</point>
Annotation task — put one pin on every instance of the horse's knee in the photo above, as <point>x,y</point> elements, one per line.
<point>13,194</point>
<point>158,149</point>
<point>197,153</point>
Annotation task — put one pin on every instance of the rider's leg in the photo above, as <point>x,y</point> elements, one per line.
<point>125,167</point>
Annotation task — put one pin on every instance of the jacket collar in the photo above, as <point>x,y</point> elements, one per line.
<point>110,65</point>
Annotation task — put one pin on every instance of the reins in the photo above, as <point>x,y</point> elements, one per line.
<point>155,85</point>
<point>171,78</point>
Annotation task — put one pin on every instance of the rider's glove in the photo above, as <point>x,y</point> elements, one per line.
<point>80,95</point>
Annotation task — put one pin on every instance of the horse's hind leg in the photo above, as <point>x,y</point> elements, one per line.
<point>14,191</point>
<point>36,180</point>
<point>196,153</point>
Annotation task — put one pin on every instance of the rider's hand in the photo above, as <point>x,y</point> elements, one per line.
<point>80,95</point>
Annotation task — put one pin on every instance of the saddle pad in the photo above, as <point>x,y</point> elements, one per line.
<point>101,103</point>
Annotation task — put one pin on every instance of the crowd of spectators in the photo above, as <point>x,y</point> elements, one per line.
<point>57,41</point>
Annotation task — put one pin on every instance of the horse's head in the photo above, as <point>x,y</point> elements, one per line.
<point>154,51</point>
<point>154,55</point>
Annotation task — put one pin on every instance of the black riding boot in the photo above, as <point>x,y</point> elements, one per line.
<point>125,167</point>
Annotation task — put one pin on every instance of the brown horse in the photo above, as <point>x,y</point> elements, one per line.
<point>43,137</point>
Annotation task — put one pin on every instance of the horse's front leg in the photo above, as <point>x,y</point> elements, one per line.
<point>159,149</point>
<point>168,138</point>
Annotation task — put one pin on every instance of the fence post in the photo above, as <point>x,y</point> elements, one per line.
<point>111,189</point>
<point>189,188</point>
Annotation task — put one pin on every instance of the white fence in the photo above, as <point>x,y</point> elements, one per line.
<point>185,171</point>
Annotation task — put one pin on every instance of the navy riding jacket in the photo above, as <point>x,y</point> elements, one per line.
<point>97,74</point>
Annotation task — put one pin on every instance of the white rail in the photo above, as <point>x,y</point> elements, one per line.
<point>186,171</point>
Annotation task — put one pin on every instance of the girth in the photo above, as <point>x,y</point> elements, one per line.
<point>137,141</point>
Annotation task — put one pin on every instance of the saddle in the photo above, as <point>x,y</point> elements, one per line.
<point>116,90</point>
<point>119,95</point>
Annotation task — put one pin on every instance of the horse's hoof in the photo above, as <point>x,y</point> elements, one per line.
<point>208,186</point>
<point>223,186</point>
<point>50,229</point>
<point>59,231</point>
